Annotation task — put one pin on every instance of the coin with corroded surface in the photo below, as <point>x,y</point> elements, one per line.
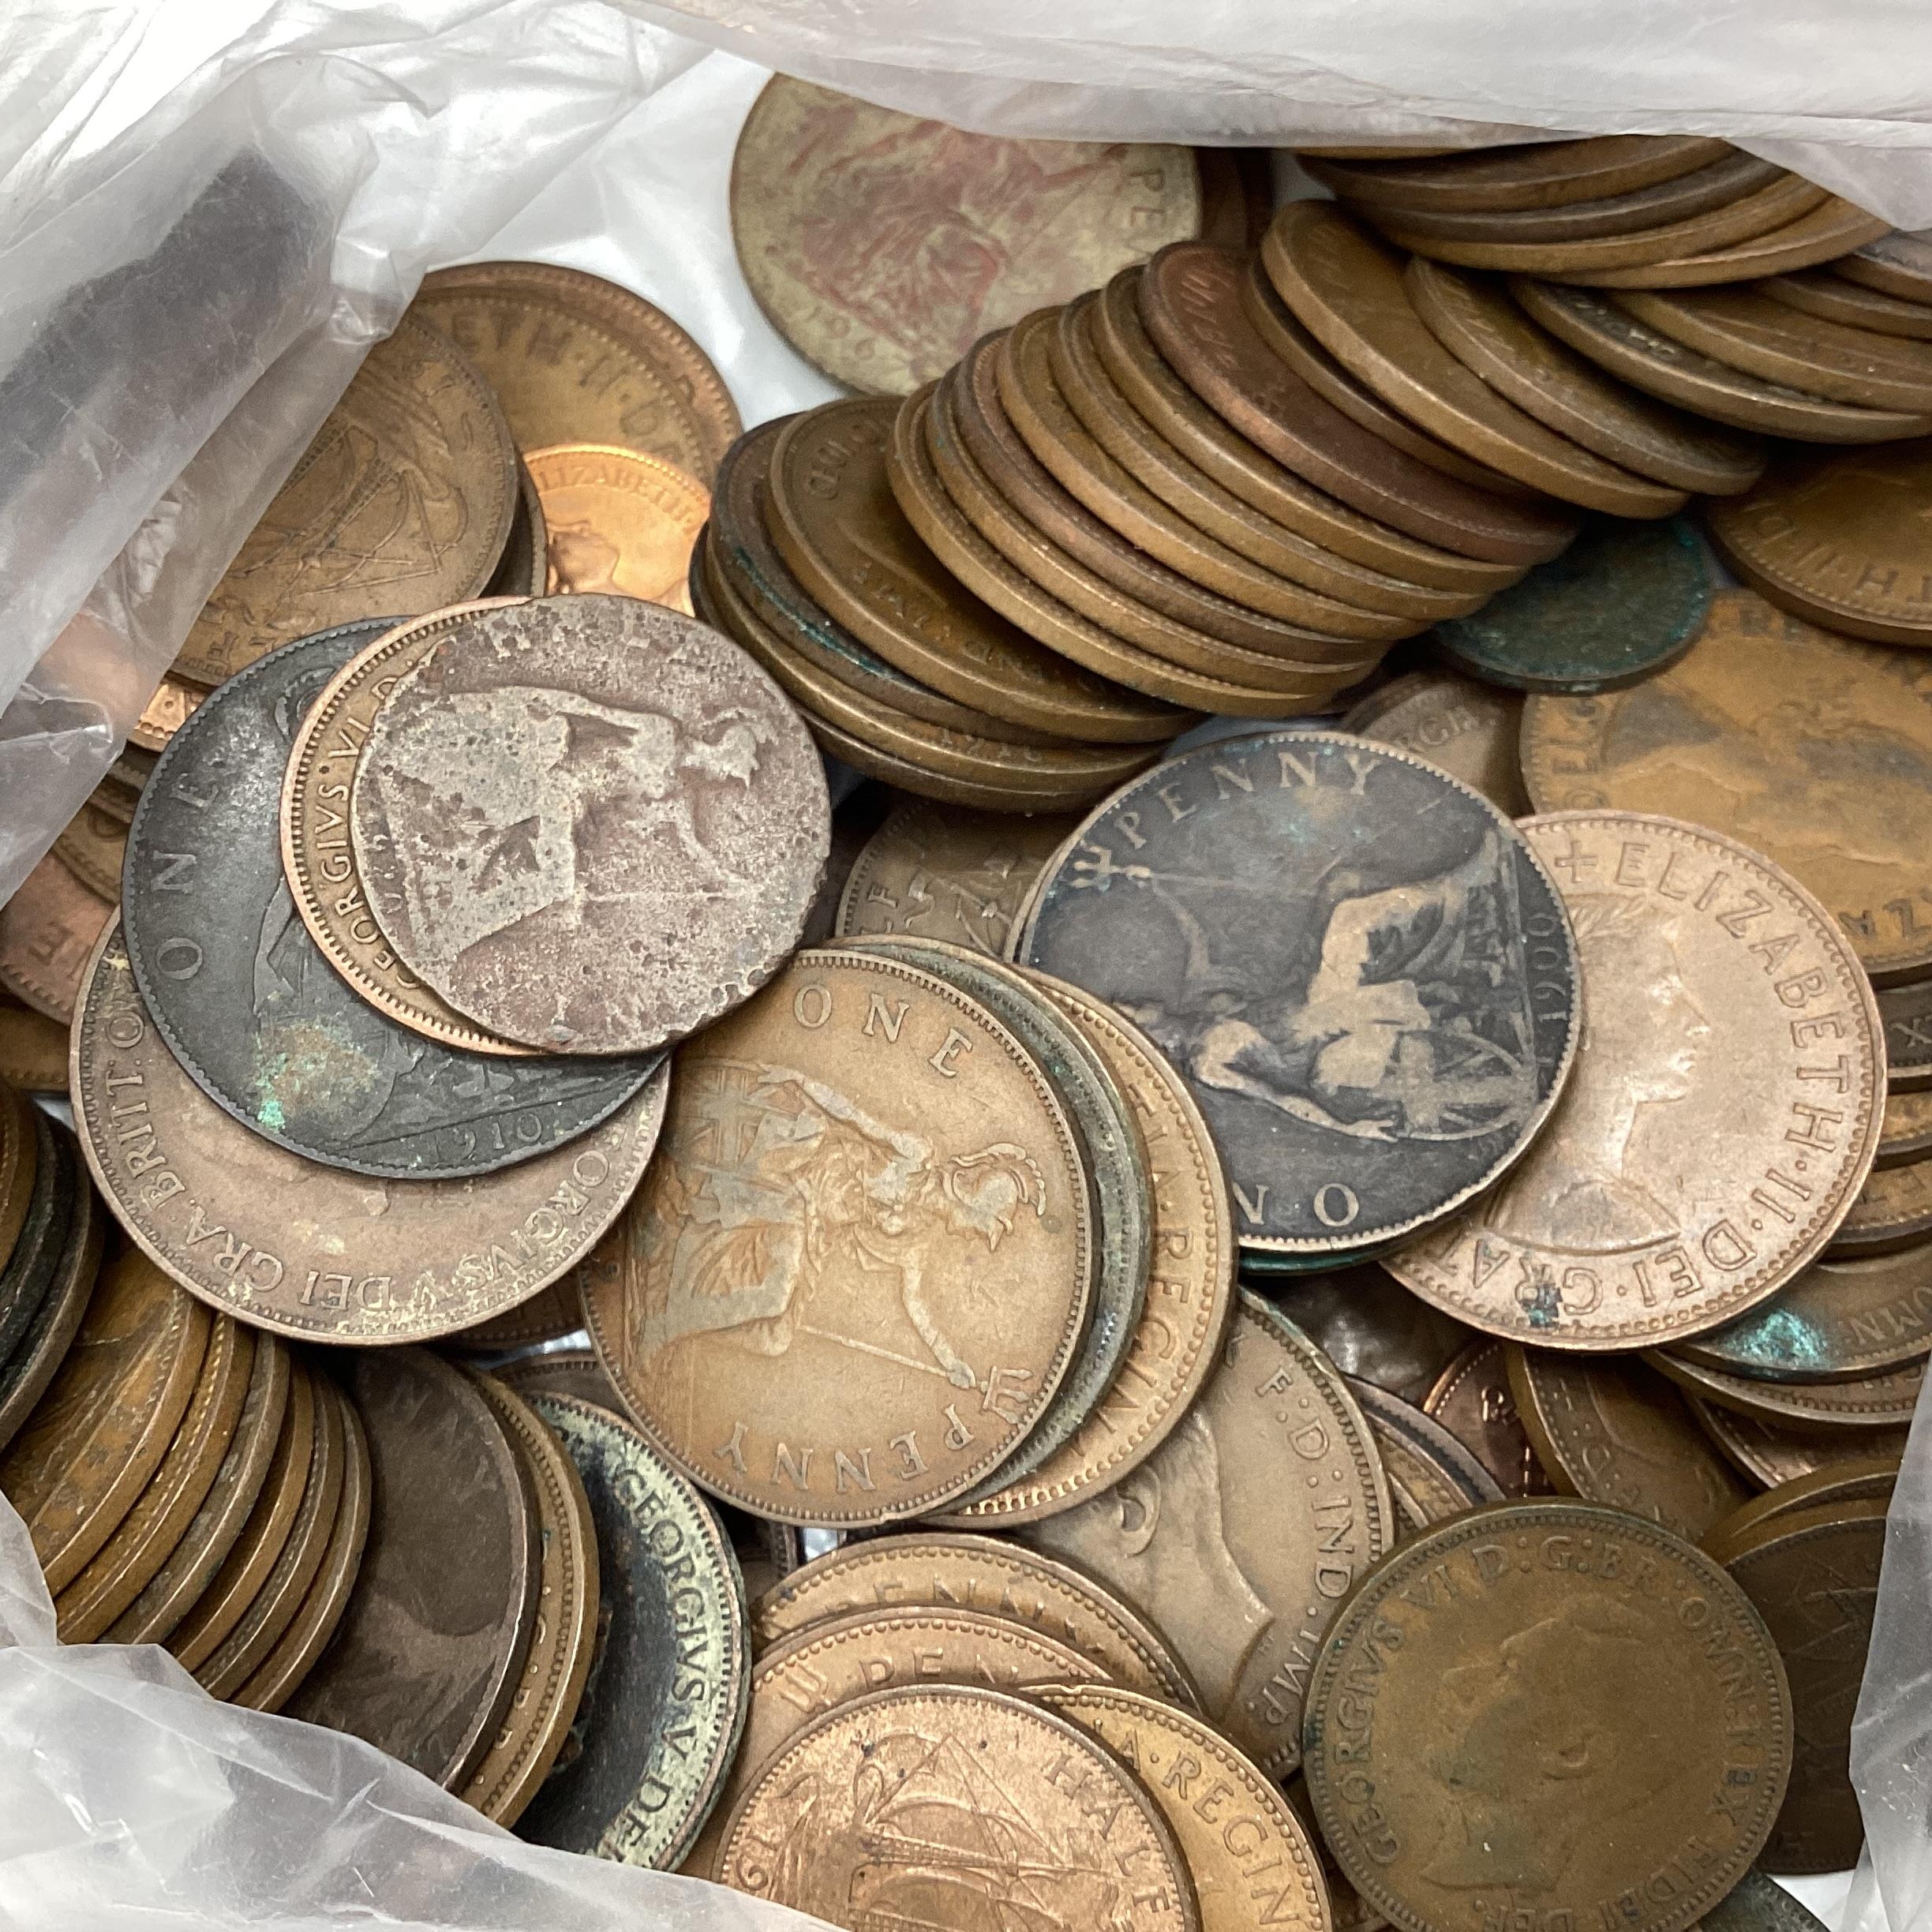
<point>1473,1399</point>
<point>882,246</point>
<point>47,929</point>
<point>637,853</point>
<point>863,1263</point>
<point>1241,1535</point>
<point>402,501</point>
<point>1370,1327</point>
<point>426,1661</point>
<point>665,1703</point>
<point>616,520</point>
<point>1724,1113</point>
<point>267,1028</point>
<point>311,1251</point>
<point>1351,1102</point>
<point>1467,729</point>
<point>1252,1860</point>
<point>940,1806</point>
<point>1502,1685</point>
<point>1815,751</point>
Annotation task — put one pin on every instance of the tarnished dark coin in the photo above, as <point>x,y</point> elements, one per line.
<point>1537,1669</point>
<point>1432,1475</point>
<point>664,1700</point>
<point>266,1025</point>
<point>1473,1399</point>
<point>523,570</point>
<point>1622,601</point>
<point>1351,1102</point>
<point>1466,728</point>
<point>1371,1327</point>
<point>37,1356</point>
<point>1907,1013</point>
<point>424,1663</point>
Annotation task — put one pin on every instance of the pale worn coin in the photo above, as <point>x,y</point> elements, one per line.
<point>47,929</point>
<point>1467,729</point>
<point>638,855</point>
<point>616,520</point>
<point>1243,1532</point>
<point>1724,1113</point>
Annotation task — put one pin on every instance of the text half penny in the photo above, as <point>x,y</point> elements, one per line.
<point>897,1165</point>
<point>1242,1532</point>
<point>1348,1106</point>
<point>47,929</point>
<point>1698,958</point>
<point>617,521</point>
<point>1252,1860</point>
<point>1812,748</point>
<point>1522,1638</point>
<point>1473,1398</point>
<point>841,1824</point>
<point>425,1660</point>
<point>308,1251</point>
<point>1465,728</point>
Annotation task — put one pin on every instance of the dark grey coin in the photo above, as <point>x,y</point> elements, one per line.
<point>1266,1268</point>
<point>30,1367</point>
<point>1624,600</point>
<point>1759,1904</point>
<point>1371,1327</point>
<point>29,1270</point>
<point>1358,963</point>
<point>1907,1012</point>
<point>664,1703</point>
<point>253,1009</point>
<point>431,1648</point>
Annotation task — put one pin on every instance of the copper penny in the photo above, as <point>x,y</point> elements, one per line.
<point>1541,174</point>
<point>1810,748</point>
<point>1855,1479</point>
<point>403,500</point>
<point>1532,1663</point>
<point>1772,1453</point>
<point>859,1119</point>
<point>618,521</point>
<point>1832,538</point>
<point>1823,233</point>
<point>543,1705</point>
<point>668,809</point>
<point>93,846</point>
<point>1617,1432</point>
<point>882,246</point>
<point>841,1822</point>
<point>573,358</point>
<point>33,1050</point>
<point>1473,1399</point>
<point>1897,264</point>
<point>1348,1911</point>
<point>38,1354</point>
<point>573,1371</point>
<point>1827,293</point>
<point>47,929</point>
<point>1875,1401</point>
<point>1370,1327</point>
<point>171,707</point>
<point>1243,1532</point>
<point>1893,1210</point>
<point>1252,1860</point>
<point>1905,1133</point>
<point>1666,1196</point>
<point>307,1250</point>
<point>1467,729</point>
<point>425,1662</point>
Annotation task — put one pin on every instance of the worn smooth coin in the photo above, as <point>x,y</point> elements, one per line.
<point>47,929</point>
<point>1473,1400</point>
<point>617,521</point>
<point>1465,728</point>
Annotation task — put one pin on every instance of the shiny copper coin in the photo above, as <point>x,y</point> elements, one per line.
<point>402,501</point>
<point>1827,293</point>
<point>38,1355</point>
<point>1905,1135</point>
<point>47,929</point>
<point>1473,1400</point>
<point>33,1050</point>
<point>617,521</point>
<point>1893,1210</point>
<point>1861,1402</point>
<point>173,704</point>
<point>1772,1453</point>
<point>1513,1641</point>
<point>1823,233</point>
<point>573,358</point>
<point>1540,174</point>
<point>1621,1227</point>
<point>1898,265</point>
<point>987,1575</point>
<point>1432,1475</point>
<point>1467,729</point>
<point>93,846</point>
<point>1859,1478</point>
<point>307,1250</point>
<point>882,246</point>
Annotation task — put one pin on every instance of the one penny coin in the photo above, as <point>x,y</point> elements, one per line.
<point>1461,727</point>
<point>618,521</point>
<point>47,929</point>
<point>1473,1398</point>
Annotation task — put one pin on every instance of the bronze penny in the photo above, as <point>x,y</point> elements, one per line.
<point>1241,1535</point>
<point>106,1421</point>
<point>857,1118</point>
<point>1467,729</point>
<point>1823,233</point>
<point>1813,1576</point>
<point>544,1705</point>
<point>1432,1475</point>
<point>300,1448</point>
<point>1370,1327</point>
<point>618,521</point>
<point>661,879</point>
<point>1348,1911</point>
<point>1874,1401</point>
<point>952,875</point>
<point>307,1250</point>
<point>22,1140</point>
<point>1147,381</point>
<point>172,704</point>
<point>838,1661</point>
<point>404,499</point>
<point>47,929</point>
<point>523,570</point>
<point>1474,318</point>
<point>426,1660</point>
<point>218,1525</point>
<point>1624,1226</point>
<point>1532,1663</point>
<point>573,358</point>
<point>126,1563</point>
<point>38,1354</point>
<point>1897,264</point>
<point>1617,1432</point>
<point>841,1823</point>
<point>882,246</point>
<point>1252,1860</point>
<point>93,847</point>
<point>1473,1399</point>
<point>1617,341</point>
<point>1190,302</point>
<point>1832,538</point>
<point>33,1050</point>
<point>1771,1452</point>
<point>987,1575</point>
<point>1346,288</point>
<point>1829,294</point>
<point>1855,1479</point>
<point>1905,1133</point>
<point>1810,748</point>
<point>833,514</point>
<point>312,1628</point>
<point>1893,1210</point>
